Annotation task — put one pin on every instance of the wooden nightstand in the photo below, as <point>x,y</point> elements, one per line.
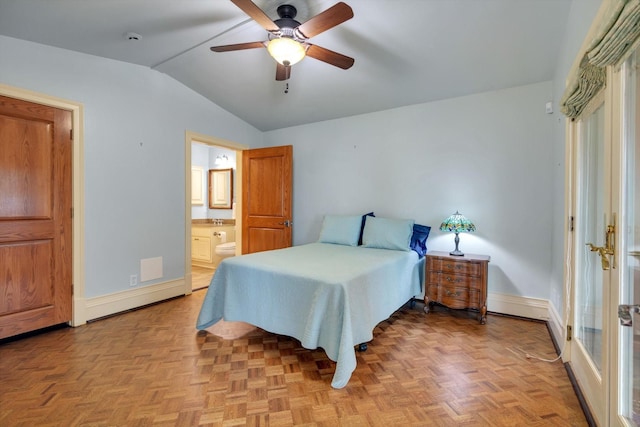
<point>458,282</point>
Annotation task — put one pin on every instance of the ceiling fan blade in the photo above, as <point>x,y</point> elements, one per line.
<point>282,72</point>
<point>256,14</point>
<point>336,14</point>
<point>330,57</point>
<point>239,46</point>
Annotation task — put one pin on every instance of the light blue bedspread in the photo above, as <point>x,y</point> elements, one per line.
<point>324,295</point>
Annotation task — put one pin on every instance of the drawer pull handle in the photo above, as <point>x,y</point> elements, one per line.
<point>454,266</point>
<point>195,238</point>
<point>450,280</point>
<point>451,294</point>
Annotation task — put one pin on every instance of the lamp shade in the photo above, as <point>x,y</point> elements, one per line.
<point>457,223</point>
<point>286,51</point>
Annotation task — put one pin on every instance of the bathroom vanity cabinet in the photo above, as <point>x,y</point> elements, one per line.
<point>204,239</point>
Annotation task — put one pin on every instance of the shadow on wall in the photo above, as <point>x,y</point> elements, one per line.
<point>499,282</point>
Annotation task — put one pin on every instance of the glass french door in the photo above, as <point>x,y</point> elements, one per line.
<point>626,340</point>
<point>592,264</point>
<point>604,351</point>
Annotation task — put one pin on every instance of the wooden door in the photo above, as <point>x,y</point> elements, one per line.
<point>266,200</point>
<point>35,216</point>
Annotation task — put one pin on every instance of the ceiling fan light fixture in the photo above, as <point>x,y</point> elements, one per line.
<point>286,51</point>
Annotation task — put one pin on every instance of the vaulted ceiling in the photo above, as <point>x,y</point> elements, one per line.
<point>406,51</point>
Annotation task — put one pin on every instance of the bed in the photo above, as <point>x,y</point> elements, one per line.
<point>324,294</point>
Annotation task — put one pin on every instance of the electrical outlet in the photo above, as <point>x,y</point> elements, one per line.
<point>133,280</point>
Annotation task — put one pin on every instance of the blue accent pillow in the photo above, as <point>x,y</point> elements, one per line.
<point>341,229</point>
<point>364,218</point>
<point>386,233</point>
<point>419,239</point>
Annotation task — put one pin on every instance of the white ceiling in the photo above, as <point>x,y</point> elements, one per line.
<point>406,51</point>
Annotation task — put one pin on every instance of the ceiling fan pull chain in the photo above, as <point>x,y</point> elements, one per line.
<point>286,89</point>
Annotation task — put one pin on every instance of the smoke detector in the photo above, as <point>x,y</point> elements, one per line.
<point>132,36</point>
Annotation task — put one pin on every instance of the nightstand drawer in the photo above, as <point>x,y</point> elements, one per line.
<point>454,279</point>
<point>448,266</point>
<point>453,297</point>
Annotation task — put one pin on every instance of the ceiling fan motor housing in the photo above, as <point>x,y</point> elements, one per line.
<point>287,11</point>
<point>287,24</point>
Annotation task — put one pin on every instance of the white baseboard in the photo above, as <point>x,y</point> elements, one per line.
<point>106,305</point>
<point>556,325</point>
<point>531,308</point>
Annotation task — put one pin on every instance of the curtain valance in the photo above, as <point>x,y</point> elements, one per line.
<point>618,34</point>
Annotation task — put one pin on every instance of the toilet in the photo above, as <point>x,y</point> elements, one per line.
<point>226,249</point>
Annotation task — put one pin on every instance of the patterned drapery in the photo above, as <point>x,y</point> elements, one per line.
<point>618,35</point>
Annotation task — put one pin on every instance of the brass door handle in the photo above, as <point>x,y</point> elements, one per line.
<point>609,246</point>
<point>603,252</point>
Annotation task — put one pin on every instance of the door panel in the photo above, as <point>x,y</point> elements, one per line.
<point>589,298</point>
<point>590,224</point>
<point>35,216</point>
<point>22,291</point>
<point>266,203</point>
<point>27,185</point>
<point>265,174</point>
<point>264,239</point>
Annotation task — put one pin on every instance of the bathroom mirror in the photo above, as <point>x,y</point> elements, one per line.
<point>220,188</point>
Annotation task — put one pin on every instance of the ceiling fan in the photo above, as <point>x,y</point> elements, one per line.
<point>287,40</point>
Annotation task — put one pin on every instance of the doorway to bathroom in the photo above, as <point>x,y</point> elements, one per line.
<point>212,207</point>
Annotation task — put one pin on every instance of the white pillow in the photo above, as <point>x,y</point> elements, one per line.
<point>341,229</point>
<point>386,233</point>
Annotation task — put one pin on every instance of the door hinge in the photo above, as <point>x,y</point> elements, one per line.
<point>71,134</point>
<point>571,223</point>
<point>569,331</point>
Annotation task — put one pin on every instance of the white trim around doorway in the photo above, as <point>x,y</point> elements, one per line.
<point>189,138</point>
<point>76,108</point>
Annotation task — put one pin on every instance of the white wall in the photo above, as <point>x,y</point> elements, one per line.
<point>134,134</point>
<point>488,155</point>
<point>581,16</point>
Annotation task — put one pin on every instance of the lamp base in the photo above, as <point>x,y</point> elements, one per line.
<point>456,252</point>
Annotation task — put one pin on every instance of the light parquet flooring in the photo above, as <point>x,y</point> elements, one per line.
<point>200,277</point>
<point>150,367</point>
